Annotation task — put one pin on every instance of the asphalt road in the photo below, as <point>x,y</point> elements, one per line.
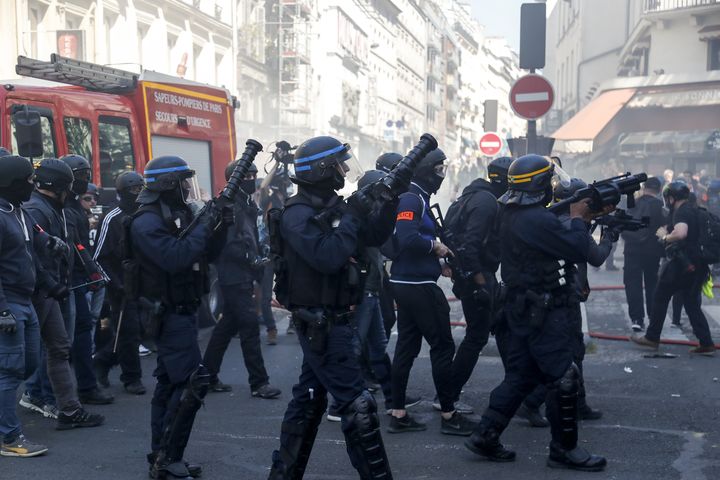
<point>662,420</point>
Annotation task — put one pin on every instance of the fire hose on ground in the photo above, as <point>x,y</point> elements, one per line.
<point>598,335</point>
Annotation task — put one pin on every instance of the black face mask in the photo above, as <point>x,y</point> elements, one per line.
<point>19,191</point>
<point>498,189</point>
<point>127,201</point>
<point>248,186</point>
<point>79,187</point>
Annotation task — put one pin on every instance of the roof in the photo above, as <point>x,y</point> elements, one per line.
<point>582,129</point>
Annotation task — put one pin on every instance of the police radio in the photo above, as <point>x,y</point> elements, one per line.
<point>228,194</point>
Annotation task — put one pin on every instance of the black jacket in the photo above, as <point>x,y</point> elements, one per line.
<point>108,253</point>
<point>49,215</point>
<point>17,275</point>
<point>644,242</point>
<point>235,265</point>
<point>477,208</point>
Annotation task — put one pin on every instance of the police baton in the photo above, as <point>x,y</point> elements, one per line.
<point>87,284</point>
<point>119,326</point>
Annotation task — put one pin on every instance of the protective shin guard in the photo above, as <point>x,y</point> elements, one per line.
<point>177,433</point>
<point>361,427</point>
<point>561,408</point>
<point>296,443</point>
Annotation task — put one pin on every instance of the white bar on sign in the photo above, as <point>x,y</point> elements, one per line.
<point>532,97</point>
<point>490,144</point>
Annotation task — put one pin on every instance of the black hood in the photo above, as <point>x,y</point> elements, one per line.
<point>478,185</point>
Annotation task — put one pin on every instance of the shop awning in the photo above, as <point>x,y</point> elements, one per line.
<point>666,143</point>
<point>709,32</point>
<point>578,134</point>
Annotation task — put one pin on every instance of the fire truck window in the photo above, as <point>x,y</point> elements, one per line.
<point>48,137</point>
<point>116,152</point>
<point>79,136</point>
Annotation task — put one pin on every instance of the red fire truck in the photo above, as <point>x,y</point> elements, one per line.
<point>120,120</point>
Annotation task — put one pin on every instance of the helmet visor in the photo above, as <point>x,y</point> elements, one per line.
<point>194,193</point>
<point>350,167</point>
<point>560,179</point>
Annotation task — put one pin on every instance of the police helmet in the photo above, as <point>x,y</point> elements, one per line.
<point>529,181</point>
<point>429,175</point>
<point>563,192</point>
<point>677,189</point>
<point>53,175</point>
<point>231,168</point>
<point>76,162</point>
<point>4,152</point>
<point>318,159</point>
<point>128,180</point>
<point>714,187</point>
<point>387,161</point>
<point>164,174</point>
<point>370,177</point>
<point>498,170</point>
<point>14,168</point>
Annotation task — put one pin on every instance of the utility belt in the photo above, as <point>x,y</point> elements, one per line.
<point>155,312</point>
<point>316,326</point>
<point>533,306</point>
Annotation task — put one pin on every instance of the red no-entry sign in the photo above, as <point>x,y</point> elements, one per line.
<point>491,144</point>
<point>531,97</point>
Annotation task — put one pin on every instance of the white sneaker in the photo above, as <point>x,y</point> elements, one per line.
<point>142,351</point>
<point>636,327</point>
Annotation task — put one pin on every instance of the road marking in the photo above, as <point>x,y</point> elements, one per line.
<point>532,97</point>
<point>583,314</point>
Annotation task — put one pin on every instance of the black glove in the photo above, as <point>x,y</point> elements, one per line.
<point>610,234</point>
<point>57,247</point>
<point>8,323</point>
<point>228,215</point>
<point>360,204</point>
<point>58,292</point>
<point>211,217</point>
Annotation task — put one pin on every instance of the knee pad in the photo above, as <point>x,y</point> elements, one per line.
<point>362,414</point>
<point>199,382</point>
<point>570,381</point>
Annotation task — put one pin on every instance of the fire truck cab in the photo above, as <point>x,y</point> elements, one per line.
<point>120,120</point>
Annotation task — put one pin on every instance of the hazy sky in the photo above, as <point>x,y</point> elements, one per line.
<point>502,17</point>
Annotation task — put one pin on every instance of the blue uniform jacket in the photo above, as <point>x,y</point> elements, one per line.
<point>161,247</point>
<point>414,236</point>
<point>329,251</point>
<point>538,229</point>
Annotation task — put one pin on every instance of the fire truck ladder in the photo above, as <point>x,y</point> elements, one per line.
<point>75,72</point>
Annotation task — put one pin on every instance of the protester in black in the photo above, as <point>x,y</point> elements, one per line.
<point>683,271</point>
<point>642,253</point>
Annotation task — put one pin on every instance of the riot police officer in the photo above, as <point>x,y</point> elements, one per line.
<point>319,279</point>
<point>537,250</point>
<point>171,276</point>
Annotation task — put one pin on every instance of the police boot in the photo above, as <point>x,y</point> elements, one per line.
<point>365,447</point>
<point>485,441</point>
<point>586,412</point>
<point>194,469</point>
<point>576,459</point>
<point>533,416</point>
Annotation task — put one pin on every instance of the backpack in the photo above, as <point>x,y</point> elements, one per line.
<point>709,236</point>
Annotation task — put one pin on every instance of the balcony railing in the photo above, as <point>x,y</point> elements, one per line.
<point>667,5</point>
